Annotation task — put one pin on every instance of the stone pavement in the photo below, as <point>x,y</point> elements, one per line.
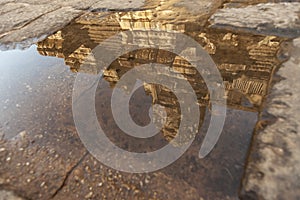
<point>274,162</point>
<point>5,195</point>
<point>24,22</point>
<point>273,171</point>
<point>280,19</point>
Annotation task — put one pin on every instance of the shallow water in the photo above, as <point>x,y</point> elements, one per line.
<point>36,87</point>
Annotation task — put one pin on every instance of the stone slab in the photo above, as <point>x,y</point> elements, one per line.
<point>7,195</point>
<point>19,17</point>
<point>273,170</point>
<point>279,19</point>
<point>24,22</point>
<point>39,28</point>
<point>118,5</point>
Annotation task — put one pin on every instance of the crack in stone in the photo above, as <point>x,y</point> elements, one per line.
<point>68,175</point>
<point>18,27</point>
<point>29,22</point>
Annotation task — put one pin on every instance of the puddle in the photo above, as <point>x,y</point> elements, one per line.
<point>36,86</point>
<point>26,79</point>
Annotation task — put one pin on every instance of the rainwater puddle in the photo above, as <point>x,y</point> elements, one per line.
<point>36,88</point>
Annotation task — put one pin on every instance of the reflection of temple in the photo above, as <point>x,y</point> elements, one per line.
<point>245,62</point>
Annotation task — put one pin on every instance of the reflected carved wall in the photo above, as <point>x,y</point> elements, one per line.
<point>246,63</point>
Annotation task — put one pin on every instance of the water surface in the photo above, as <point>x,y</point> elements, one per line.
<point>36,86</point>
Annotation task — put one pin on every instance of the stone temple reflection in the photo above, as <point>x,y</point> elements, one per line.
<point>246,63</point>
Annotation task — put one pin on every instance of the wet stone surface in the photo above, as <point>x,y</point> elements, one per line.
<point>25,22</point>
<point>41,154</point>
<point>274,162</point>
<point>5,195</point>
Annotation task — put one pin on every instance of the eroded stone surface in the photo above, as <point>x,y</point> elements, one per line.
<point>38,29</point>
<point>273,171</point>
<point>280,19</point>
<point>22,15</point>
<point>7,195</point>
<point>39,169</point>
<point>25,22</point>
<point>61,168</point>
<point>117,5</point>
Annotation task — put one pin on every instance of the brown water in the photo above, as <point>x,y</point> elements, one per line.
<point>36,86</point>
